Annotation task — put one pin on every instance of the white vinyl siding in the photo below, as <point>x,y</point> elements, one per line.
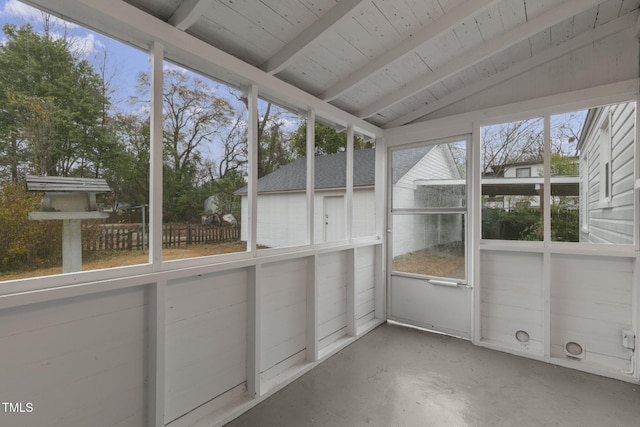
<point>610,218</point>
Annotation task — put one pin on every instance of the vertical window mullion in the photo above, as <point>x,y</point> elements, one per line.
<point>546,203</point>
<point>252,158</point>
<point>155,169</point>
<point>349,186</point>
<point>311,125</point>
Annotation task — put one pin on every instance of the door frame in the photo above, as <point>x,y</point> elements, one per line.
<point>465,286</point>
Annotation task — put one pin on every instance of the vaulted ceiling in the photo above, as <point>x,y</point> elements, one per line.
<point>392,62</point>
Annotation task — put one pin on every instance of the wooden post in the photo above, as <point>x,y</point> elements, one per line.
<point>71,245</point>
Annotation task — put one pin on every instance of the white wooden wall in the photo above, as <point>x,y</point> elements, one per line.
<point>173,348</point>
<point>611,221</point>
<point>79,361</point>
<point>558,298</point>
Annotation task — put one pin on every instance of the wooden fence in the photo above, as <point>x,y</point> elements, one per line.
<point>115,237</point>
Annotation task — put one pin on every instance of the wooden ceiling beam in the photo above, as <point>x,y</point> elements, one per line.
<point>445,23</point>
<point>509,38</point>
<point>188,13</point>
<point>342,10</point>
<point>521,67</point>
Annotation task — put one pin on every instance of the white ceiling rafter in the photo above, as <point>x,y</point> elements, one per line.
<point>333,16</point>
<point>509,38</point>
<point>448,21</point>
<point>543,57</point>
<point>188,13</point>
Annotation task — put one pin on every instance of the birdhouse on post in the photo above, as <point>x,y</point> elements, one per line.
<point>70,200</point>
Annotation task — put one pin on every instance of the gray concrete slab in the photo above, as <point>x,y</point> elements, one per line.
<point>397,376</point>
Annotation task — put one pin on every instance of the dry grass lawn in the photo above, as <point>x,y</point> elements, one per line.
<point>430,263</point>
<point>123,258</point>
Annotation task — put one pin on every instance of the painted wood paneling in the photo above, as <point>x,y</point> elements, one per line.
<point>609,60</point>
<point>511,299</point>
<point>284,318</point>
<point>332,301</point>
<point>365,281</point>
<point>591,302</point>
<point>80,361</point>
<point>206,339</point>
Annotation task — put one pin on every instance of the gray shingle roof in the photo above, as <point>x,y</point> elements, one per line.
<point>331,171</point>
<point>404,160</point>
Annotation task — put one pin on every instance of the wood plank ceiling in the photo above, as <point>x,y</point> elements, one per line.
<point>392,62</point>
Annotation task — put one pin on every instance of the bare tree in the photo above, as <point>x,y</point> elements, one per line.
<point>509,143</point>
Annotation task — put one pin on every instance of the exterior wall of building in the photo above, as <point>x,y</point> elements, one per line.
<point>535,170</point>
<point>611,139</point>
<point>282,216</point>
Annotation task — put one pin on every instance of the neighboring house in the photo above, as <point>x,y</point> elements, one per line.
<point>523,182</point>
<point>281,212</point>
<point>607,174</point>
<point>524,169</point>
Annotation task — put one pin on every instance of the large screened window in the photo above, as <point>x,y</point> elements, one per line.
<point>204,164</point>
<point>588,165</point>
<point>282,178</point>
<point>76,135</point>
<point>512,172</point>
<point>330,183</point>
<point>364,196</point>
<point>74,148</point>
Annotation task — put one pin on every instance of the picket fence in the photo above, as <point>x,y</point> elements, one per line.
<point>117,237</point>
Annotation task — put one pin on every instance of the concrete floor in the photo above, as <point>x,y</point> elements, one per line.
<point>397,376</point>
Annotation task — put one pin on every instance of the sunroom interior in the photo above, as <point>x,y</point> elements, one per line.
<point>484,187</point>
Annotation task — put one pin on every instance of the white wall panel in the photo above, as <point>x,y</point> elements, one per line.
<point>365,281</point>
<point>591,302</point>
<point>332,301</point>
<point>206,321</point>
<point>284,319</point>
<point>511,298</point>
<point>80,361</point>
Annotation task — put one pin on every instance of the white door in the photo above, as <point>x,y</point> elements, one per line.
<point>428,283</point>
<point>334,220</point>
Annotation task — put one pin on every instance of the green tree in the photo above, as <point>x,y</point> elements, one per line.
<point>128,174</point>
<point>30,244</point>
<point>327,140</point>
<point>50,102</point>
<point>562,165</point>
<point>194,117</point>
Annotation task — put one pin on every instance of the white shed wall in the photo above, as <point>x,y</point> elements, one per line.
<point>282,216</point>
